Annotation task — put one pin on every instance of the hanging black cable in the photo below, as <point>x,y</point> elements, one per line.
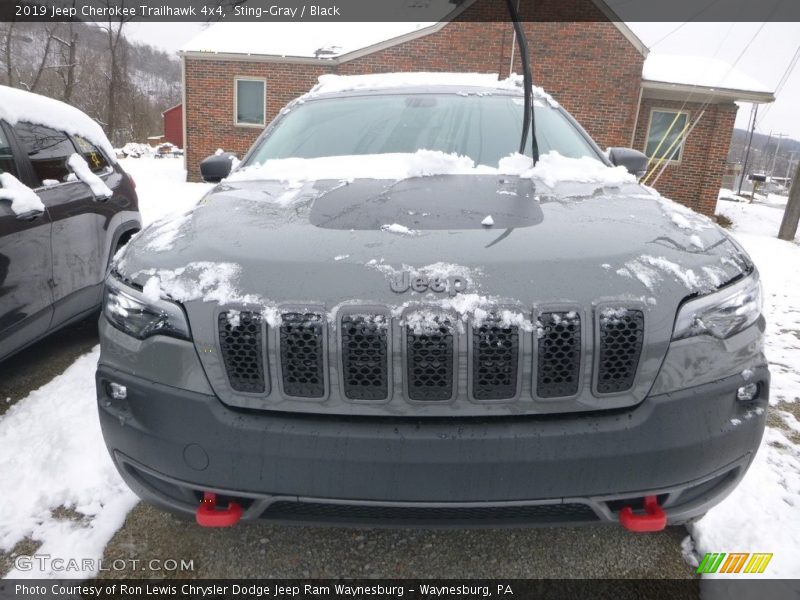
<point>529,119</point>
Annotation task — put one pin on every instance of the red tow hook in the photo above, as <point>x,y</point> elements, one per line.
<point>654,519</point>
<point>208,514</point>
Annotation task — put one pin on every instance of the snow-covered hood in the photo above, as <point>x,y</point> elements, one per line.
<point>329,242</point>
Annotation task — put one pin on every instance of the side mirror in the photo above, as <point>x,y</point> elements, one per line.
<point>633,160</point>
<point>217,167</point>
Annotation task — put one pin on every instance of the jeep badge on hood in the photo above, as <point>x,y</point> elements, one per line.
<point>404,281</point>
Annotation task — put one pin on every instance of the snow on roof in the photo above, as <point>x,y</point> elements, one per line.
<point>19,105</point>
<point>297,39</point>
<point>331,84</point>
<point>700,71</point>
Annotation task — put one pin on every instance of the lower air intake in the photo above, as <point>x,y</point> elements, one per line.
<point>429,351</point>
<point>242,349</point>
<point>620,346</point>
<point>302,355</point>
<point>495,360</point>
<point>417,515</point>
<point>558,357</point>
<point>364,357</point>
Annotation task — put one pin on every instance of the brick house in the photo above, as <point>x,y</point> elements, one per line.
<point>237,77</point>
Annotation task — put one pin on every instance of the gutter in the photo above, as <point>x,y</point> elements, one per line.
<point>702,91</point>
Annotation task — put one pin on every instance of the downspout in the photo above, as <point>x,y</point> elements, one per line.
<point>183,116</point>
<point>636,118</point>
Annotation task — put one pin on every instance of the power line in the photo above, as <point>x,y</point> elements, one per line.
<point>784,78</point>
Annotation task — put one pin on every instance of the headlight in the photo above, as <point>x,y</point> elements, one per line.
<point>129,311</point>
<point>722,313</point>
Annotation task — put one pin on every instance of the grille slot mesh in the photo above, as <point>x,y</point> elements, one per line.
<point>242,349</point>
<point>429,348</point>
<point>558,358</point>
<point>495,360</point>
<point>364,357</point>
<point>621,338</point>
<point>302,355</point>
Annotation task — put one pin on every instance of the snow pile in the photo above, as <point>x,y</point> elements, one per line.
<point>332,84</point>
<point>54,456</point>
<point>81,169</point>
<point>162,235</point>
<point>307,39</point>
<point>397,228</point>
<point>368,166</point>
<point>18,105</point>
<point>206,281</point>
<point>553,168</point>
<point>488,221</point>
<point>23,199</point>
<point>136,150</point>
<point>698,70</point>
<point>683,216</point>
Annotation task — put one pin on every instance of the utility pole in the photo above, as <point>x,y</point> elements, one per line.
<point>791,215</point>
<point>780,137</point>
<point>753,115</point>
<point>790,165</point>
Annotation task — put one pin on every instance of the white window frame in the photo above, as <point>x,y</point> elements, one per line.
<point>236,122</point>
<point>681,146</point>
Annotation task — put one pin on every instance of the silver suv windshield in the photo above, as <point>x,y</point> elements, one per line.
<point>484,127</point>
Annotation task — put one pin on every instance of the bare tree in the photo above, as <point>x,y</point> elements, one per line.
<point>8,54</point>
<point>37,74</point>
<point>67,70</point>
<point>117,70</point>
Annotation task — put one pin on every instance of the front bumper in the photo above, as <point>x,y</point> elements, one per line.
<point>690,448</point>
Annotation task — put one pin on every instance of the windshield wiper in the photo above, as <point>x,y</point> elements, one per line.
<point>529,119</point>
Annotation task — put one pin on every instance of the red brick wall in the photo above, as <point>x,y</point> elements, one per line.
<point>590,67</point>
<point>696,180</point>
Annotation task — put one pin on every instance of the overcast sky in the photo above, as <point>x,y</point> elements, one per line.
<point>767,51</point>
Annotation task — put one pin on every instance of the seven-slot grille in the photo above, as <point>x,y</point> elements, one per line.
<point>429,359</point>
<point>495,360</point>
<point>430,349</point>
<point>621,337</point>
<point>365,372</point>
<point>302,355</point>
<point>242,347</point>
<point>558,356</point>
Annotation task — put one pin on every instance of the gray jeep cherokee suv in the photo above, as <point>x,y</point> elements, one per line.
<point>325,339</point>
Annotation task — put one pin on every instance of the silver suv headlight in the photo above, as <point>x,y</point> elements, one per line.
<point>723,313</point>
<point>128,310</point>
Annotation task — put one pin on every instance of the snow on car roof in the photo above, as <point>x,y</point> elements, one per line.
<point>331,84</point>
<point>19,105</point>
<point>298,39</point>
<point>700,71</point>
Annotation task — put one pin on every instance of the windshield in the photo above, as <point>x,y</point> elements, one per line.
<point>485,128</point>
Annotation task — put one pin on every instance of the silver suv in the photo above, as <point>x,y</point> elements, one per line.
<point>383,316</point>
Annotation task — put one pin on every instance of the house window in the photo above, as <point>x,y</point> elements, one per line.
<point>666,126</point>
<point>250,96</point>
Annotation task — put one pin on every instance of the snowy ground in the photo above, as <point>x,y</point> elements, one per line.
<point>69,498</point>
<point>67,493</point>
<point>763,512</point>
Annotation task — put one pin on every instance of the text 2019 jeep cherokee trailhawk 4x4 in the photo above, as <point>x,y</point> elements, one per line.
<point>360,325</point>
